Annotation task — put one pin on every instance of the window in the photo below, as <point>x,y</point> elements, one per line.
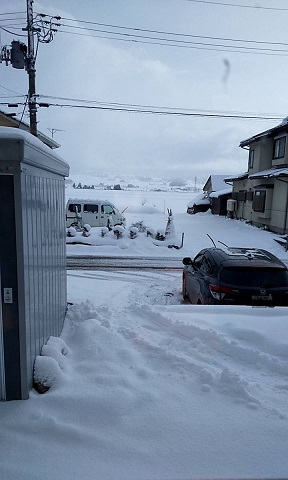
<point>251,158</point>
<point>255,277</point>
<point>90,208</point>
<point>241,196</point>
<point>279,147</point>
<point>106,209</point>
<point>259,198</point>
<point>74,207</point>
<point>203,263</point>
<point>198,260</point>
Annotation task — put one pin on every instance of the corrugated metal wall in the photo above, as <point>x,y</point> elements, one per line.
<point>44,260</point>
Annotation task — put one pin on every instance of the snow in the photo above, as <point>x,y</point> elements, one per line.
<point>218,182</point>
<point>201,199</point>
<point>271,172</point>
<point>144,386</point>
<point>219,193</point>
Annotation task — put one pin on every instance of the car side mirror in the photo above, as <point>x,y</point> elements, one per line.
<point>187,261</point>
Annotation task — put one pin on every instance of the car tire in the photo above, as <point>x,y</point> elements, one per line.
<point>184,293</point>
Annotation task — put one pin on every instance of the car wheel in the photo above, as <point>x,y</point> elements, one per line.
<point>184,292</point>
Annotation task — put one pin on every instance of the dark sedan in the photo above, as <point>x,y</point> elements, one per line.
<point>235,276</point>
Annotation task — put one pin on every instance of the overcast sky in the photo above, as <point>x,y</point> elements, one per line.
<point>186,76</point>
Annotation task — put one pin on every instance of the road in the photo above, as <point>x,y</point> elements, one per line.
<point>89,262</point>
<point>93,262</point>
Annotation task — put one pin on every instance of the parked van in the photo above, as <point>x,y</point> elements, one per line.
<point>97,213</point>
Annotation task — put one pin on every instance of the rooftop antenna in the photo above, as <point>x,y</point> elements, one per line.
<point>53,130</point>
<point>223,244</point>
<point>211,240</point>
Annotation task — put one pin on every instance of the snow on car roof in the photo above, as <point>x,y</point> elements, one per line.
<point>88,200</point>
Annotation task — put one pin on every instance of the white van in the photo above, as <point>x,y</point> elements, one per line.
<point>97,213</point>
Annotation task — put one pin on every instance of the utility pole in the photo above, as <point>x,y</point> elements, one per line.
<point>30,66</point>
<point>21,56</point>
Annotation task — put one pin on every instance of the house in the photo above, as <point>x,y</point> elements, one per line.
<point>9,120</point>
<point>261,193</point>
<point>215,183</point>
<point>219,192</point>
<point>215,195</point>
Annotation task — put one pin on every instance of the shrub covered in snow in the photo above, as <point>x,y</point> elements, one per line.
<point>71,232</point>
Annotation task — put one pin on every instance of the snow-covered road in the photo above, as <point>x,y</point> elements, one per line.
<point>98,262</point>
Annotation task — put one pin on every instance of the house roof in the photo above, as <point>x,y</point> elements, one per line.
<point>241,176</point>
<point>282,126</point>
<point>220,193</point>
<point>217,183</point>
<point>7,120</point>
<point>270,173</point>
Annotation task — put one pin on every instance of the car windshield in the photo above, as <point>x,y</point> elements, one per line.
<point>255,277</point>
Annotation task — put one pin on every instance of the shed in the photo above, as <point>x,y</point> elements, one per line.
<point>32,255</point>
<point>219,201</point>
<point>10,120</point>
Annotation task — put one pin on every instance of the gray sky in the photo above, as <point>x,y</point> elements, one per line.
<point>201,78</point>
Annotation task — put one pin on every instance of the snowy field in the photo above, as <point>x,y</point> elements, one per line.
<point>150,208</point>
<point>146,387</point>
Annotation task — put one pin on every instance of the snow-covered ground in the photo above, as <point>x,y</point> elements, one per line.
<point>146,387</point>
<point>150,208</point>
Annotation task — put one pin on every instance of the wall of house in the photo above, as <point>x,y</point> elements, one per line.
<point>275,216</point>
<point>263,153</point>
<point>271,193</point>
<point>279,220</point>
<point>244,208</point>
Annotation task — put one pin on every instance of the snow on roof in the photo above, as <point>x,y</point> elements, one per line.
<point>217,182</point>
<point>219,193</point>
<point>271,172</point>
<point>53,161</point>
<point>201,199</point>
<point>250,140</point>
<point>241,176</point>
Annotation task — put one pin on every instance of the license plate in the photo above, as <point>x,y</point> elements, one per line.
<point>266,298</point>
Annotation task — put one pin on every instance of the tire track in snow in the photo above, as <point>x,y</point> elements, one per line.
<point>203,353</point>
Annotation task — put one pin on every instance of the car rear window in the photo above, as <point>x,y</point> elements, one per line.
<point>252,277</point>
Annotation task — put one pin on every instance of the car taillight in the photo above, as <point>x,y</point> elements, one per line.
<point>219,292</point>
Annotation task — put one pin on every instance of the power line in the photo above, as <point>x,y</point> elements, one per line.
<point>188,42</point>
<point>12,13</point>
<point>174,113</point>
<point>163,32</point>
<point>12,33</point>
<point>230,49</point>
<point>12,91</point>
<point>159,107</point>
<point>175,42</point>
<point>162,112</point>
<point>279,9</point>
